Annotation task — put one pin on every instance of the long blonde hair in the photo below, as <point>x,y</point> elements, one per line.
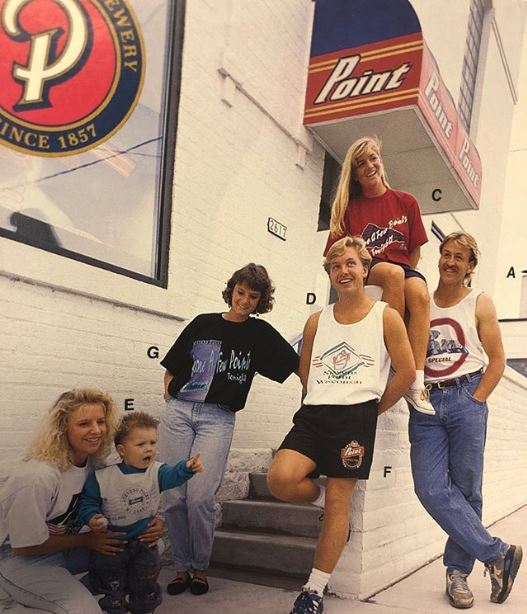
<point>348,187</point>
<point>51,441</point>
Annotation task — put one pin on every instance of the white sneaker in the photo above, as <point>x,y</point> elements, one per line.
<point>419,399</point>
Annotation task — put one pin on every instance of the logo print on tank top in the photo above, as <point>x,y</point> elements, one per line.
<point>342,360</point>
<point>446,348</point>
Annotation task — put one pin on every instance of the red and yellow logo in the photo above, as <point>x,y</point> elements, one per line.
<point>71,73</point>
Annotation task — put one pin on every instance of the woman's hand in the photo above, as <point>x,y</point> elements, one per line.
<point>105,542</point>
<point>156,529</point>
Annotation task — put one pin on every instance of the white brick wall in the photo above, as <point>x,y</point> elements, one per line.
<point>53,340</point>
<point>75,325</point>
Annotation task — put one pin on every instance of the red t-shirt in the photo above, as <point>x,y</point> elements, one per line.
<point>390,224</point>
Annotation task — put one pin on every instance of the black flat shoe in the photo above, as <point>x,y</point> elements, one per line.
<point>199,586</point>
<point>179,585</point>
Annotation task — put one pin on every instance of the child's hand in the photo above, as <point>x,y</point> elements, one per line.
<point>194,464</point>
<point>98,523</point>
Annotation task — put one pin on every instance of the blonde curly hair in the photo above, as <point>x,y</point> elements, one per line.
<point>51,441</point>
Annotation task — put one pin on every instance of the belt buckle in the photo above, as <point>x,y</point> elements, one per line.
<point>440,385</point>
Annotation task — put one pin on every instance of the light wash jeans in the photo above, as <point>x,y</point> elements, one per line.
<point>45,583</point>
<point>185,429</point>
<point>447,466</point>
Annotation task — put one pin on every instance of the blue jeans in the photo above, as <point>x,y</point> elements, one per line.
<point>185,429</point>
<point>133,572</point>
<point>447,466</point>
<point>46,582</point>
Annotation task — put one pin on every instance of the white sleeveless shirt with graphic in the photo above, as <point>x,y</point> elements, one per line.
<point>127,498</point>
<point>454,347</point>
<point>349,362</point>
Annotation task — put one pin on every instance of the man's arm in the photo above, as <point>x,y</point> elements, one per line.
<point>398,346</point>
<point>308,337</point>
<point>490,336</point>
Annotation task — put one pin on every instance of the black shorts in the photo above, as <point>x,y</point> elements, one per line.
<point>408,271</point>
<point>338,438</point>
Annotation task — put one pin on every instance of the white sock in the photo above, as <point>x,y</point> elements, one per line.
<point>317,581</point>
<point>419,381</point>
<point>320,501</point>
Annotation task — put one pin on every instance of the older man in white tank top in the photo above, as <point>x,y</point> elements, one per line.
<point>465,362</point>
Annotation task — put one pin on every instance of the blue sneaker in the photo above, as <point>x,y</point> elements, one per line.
<point>308,602</point>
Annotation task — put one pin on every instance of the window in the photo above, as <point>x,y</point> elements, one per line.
<point>470,61</point>
<point>87,140</point>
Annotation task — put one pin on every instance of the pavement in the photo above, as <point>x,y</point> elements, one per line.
<point>421,592</point>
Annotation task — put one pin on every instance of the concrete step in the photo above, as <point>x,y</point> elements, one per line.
<point>258,486</point>
<point>271,517</point>
<point>277,554</point>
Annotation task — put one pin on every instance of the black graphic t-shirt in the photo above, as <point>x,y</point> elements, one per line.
<point>214,360</point>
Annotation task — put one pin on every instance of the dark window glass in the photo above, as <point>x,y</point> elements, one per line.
<point>470,61</point>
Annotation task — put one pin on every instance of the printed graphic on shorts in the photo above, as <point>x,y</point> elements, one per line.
<point>446,348</point>
<point>71,73</point>
<point>206,357</point>
<point>378,238</point>
<point>352,455</point>
<point>341,362</point>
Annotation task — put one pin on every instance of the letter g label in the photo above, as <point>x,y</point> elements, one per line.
<point>45,67</point>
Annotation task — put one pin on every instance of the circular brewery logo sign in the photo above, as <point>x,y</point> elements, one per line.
<point>71,73</point>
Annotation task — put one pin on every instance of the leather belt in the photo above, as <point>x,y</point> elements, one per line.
<point>455,381</point>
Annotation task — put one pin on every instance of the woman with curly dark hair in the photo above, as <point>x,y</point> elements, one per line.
<point>209,371</point>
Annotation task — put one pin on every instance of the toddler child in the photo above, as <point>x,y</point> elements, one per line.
<point>124,498</point>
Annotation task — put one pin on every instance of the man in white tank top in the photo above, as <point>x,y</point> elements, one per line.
<point>346,353</point>
<point>464,364</point>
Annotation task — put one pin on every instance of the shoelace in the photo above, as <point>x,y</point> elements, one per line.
<point>309,603</point>
<point>490,568</point>
<point>459,582</point>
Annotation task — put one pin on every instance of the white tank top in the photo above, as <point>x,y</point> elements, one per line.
<point>454,347</point>
<point>127,498</point>
<point>349,362</point>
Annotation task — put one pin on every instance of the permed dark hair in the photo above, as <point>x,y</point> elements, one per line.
<point>137,419</point>
<point>257,278</point>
